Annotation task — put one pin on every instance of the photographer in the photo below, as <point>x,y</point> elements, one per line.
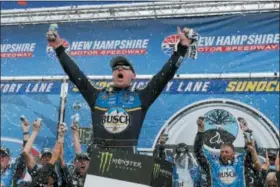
<point>159,151</point>
<point>181,160</point>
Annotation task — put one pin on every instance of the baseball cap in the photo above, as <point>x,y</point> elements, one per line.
<point>46,150</point>
<point>82,155</point>
<point>5,151</point>
<point>182,148</point>
<point>121,60</point>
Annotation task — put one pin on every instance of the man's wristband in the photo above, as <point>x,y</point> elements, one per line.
<point>25,133</point>
<point>200,130</point>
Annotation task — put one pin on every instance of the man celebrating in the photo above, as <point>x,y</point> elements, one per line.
<point>118,112</point>
<point>227,169</point>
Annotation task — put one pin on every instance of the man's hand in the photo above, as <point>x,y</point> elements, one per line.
<point>243,124</point>
<point>184,40</point>
<point>25,126</point>
<point>57,42</point>
<point>37,124</point>
<point>61,132</point>
<point>277,162</point>
<point>251,146</point>
<point>62,128</point>
<point>201,124</point>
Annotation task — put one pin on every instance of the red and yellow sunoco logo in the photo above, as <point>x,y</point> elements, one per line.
<point>98,84</point>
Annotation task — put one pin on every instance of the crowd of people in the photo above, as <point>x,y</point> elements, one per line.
<point>50,169</point>
<point>230,167</point>
<point>118,113</point>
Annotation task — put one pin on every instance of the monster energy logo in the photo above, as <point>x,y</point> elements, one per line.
<point>156,171</point>
<point>105,162</point>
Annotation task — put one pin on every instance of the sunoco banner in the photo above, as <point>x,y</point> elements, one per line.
<point>233,43</point>
<point>218,86</point>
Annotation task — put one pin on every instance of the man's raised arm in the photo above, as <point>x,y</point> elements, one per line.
<point>30,161</point>
<point>84,85</point>
<point>160,80</point>
<point>198,146</point>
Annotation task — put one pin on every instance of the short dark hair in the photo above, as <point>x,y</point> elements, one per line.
<point>227,144</point>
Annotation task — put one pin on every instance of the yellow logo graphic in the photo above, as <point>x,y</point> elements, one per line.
<point>97,85</point>
<point>156,170</point>
<point>253,86</point>
<point>105,162</point>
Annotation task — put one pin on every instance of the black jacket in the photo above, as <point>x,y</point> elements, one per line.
<point>118,114</point>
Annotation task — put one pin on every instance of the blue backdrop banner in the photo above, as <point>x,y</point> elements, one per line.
<point>233,43</point>
<point>254,99</point>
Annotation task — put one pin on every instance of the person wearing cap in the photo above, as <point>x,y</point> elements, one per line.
<point>46,153</point>
<point>6,168</point>
<point>47,175</point>
<point>269,172</point>
<point>35,168</point>
<point>118,111</point>
<point>75,174</point>
<point>12,171</point>
<point>188,172</point>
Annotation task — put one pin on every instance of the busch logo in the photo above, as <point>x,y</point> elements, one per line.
<point>105,162</point>
<point>227,175</point>
<point>116,120</point>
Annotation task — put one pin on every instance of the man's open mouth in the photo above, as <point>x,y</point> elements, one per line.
<point>120,75</point>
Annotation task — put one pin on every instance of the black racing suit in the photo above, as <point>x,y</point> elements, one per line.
<point>118,114</point>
